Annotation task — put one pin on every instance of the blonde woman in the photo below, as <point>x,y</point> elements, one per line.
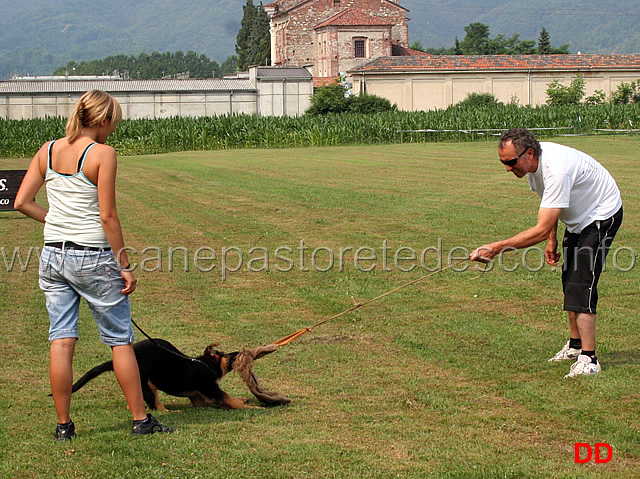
<point>81,234</point>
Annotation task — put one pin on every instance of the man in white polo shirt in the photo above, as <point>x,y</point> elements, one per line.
<point>581,193</point>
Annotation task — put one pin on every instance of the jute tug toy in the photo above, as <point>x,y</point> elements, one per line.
<point>245,358</point>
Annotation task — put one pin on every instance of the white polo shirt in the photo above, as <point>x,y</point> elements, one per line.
<point>572,180</point>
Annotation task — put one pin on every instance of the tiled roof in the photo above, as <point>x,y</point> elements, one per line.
<point>124,86</point>
<point>285,6</point>
<point>353,17</point>
<point>324,81</point>
<point>400,51</point>
<point>275,3</point>
<point>420,63</point>
<point>278,73</point>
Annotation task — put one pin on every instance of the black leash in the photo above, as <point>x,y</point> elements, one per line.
<point>159,346</point>
<point>143,332</point>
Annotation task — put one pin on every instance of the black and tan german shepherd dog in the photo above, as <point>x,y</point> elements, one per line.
<point>163,367</point>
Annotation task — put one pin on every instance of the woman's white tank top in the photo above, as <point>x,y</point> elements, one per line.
<point>74,212</point>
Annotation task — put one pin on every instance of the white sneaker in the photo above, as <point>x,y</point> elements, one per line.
<point>566,353</point>
<point>583,366</point>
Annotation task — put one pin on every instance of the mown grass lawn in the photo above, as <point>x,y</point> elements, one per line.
<point>446,378</point>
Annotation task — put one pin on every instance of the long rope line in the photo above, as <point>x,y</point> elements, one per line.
<point>297,334</point>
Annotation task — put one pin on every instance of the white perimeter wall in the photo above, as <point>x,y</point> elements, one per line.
<point>284,98</point>
<point>134,105</point>
<point>429,91</point>
<point>290,98</point>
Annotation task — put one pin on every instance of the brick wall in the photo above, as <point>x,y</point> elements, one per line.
<point>295,42</point>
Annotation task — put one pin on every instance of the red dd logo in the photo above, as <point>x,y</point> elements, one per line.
<point>598,457</point>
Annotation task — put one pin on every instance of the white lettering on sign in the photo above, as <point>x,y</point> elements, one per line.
<point>10,181</point>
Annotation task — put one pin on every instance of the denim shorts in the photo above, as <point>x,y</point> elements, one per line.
<point>68,275</point>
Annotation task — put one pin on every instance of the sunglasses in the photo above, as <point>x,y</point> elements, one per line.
<point>513,162</point>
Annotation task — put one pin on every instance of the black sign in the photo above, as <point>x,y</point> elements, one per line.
<point>10,181</point>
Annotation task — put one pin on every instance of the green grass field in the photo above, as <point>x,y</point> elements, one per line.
<point>446,378</point>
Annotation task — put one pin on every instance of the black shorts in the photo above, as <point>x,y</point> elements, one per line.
<point>584,258</point>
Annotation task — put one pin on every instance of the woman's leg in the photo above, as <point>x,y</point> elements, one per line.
<point>61,376</point>
<point>125,366</point>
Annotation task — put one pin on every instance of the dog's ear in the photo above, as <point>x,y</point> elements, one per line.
<point>211,350</point>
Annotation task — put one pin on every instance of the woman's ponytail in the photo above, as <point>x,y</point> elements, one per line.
<point>90,110</point>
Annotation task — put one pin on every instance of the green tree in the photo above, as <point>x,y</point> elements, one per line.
<point>229,66</point>
<point>476,40</point>
<point>253,42</point>
<point>263,37</point>
<point>334,99</point>
<point>475,100</point>
<point>562,49</point>
<point>544,42</point>
<point>598,98</point>
<point>454,50</point>
<point>439,51</point>
<point>369,104</point>
<point>417,46</point>
<point>328,99</point>
<point>559,94</point>
<point>244,48</point>
<point>145,66</point>
<point>515,46</point>
<point>626,93</point>
<point>457,49</point>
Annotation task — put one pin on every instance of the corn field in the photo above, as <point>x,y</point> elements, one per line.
<point>22,138</point>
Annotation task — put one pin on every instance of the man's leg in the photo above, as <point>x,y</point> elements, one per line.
<point>573,324</point>
<point>572,349</point>
<point>587,362</point>
<point>586,326</point>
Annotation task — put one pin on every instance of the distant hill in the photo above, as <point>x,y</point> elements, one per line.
<point>37,36</point>
<point>589,26</point>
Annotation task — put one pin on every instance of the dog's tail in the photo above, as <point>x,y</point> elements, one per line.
<point>93,373</point>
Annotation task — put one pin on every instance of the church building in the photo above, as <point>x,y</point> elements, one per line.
<point>334,36</point>
<point>368,41</point>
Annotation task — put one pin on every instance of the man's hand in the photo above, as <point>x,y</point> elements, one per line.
<point>483,254</point>
<point>551,252</point>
